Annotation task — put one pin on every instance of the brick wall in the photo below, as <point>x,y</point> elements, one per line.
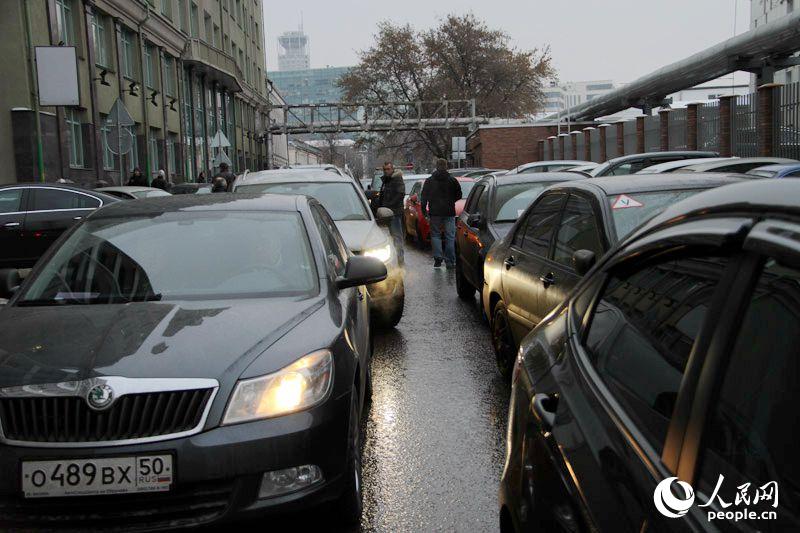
<point>508,147</point>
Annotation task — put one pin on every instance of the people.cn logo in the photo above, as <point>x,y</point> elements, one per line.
<point>667,503</point>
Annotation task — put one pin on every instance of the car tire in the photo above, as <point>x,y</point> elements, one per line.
<point>390,318</point>
<point>502,341</point>
<point>350,504</point>
<point>463,288</point>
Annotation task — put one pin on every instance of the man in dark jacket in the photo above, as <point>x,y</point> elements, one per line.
<point>393,190</point>
<point>160,182</point>
<point>439,196</point>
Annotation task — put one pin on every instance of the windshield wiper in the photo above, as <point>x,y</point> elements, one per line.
<point>98,300</point>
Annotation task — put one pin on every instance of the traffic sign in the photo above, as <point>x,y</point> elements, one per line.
<point>409,166</point>
<point>119,122</point>
<point>219,140</point>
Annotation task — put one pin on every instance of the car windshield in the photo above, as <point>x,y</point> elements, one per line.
<point>410,184</point>
<point>630,210</point>
<point>341,200</point>
<point>466,188</point>
<point>183,255</point>
<point>510,201</point>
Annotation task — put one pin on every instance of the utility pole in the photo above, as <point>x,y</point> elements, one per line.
<point>35,88</point>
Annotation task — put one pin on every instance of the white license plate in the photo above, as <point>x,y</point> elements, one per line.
<point>94,477</point>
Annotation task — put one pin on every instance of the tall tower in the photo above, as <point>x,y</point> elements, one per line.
<point>293,52</point>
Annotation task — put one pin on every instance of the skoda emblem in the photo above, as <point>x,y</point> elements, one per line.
<point>100,397</point>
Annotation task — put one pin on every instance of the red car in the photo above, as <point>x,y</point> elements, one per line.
<point>417,227</point>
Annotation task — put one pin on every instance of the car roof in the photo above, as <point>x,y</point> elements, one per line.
<point>204,202</point>
<point>127,188</point>
<point>753,197</point>
<point>702,167</point>
<point>635,183</point>
<point>105,197</point>
<point>533,177</point>
<point>680,163</point>
<point>779,167</point>
<point>293,175</point>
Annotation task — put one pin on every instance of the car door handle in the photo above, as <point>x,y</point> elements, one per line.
<point>510,262</point>
<point>548,279</point>
<point>11,225</point>
<point>544,409</point>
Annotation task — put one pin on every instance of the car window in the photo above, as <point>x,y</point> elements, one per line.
<point>341,200</point>
<point>623,170</point>
<point>335,252</point>
<point>472,204</point>
<point>483,202</point>
<point>642,332</point>
<point>578,230</point>
<point>510,201</point>
<point>416,188</point>
<point>540,224</point>
<point>751,437</point>
<point>50,199</point>
<point>10,200</point>
<point>794,174</point>
<point>630,210</point>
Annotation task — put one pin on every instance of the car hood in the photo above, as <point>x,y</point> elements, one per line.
<point>215,340</point>
<point>360,235</point>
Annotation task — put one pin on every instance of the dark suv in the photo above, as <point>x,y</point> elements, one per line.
<point>673,365</point>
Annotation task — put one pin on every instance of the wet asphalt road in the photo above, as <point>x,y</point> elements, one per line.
<point>434,435</point>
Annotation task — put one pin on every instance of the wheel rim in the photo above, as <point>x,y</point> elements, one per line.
<point>502,345</point>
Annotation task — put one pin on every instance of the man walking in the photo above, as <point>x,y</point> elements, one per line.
<point>225,174</point>
<point>392,192</point>
<point>439,196</point>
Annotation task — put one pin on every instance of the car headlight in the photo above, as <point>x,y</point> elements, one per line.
<point>384,253</point>
<point>296,387</point>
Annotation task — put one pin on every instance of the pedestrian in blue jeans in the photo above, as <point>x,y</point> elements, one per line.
<point>392,192</point>
<point>439,196</point>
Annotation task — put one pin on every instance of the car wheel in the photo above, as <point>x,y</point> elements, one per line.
<point>350,504</point>
<point>463,288</point>
<point>503,342</point>
<point>409,237</point>
<point>391,317</point>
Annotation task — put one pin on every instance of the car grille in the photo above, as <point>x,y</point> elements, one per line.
<point>192,504</point>
<point>133,416</point>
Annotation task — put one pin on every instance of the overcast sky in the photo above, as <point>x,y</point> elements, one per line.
<point>589,39</point>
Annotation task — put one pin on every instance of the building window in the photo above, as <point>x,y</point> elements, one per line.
<point>152,149</point>
<point>208,26</point>
<point>195,21</point>
<point>109,158</point>
<point>172,159</point>
<point>215,41</point>
<point>150,77</point>
<point>66,28</point>
<point>182,14</point>
<point>169,75</point>
<point>128,54</point>
<point>166,8</point>
<point>100,42</point>
<point>74,138</point>
<point>133,155</point>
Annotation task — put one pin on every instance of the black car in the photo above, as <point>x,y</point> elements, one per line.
<point>631,164</point>
<point>533,268</point>
<point>662,394</point>
<point>34,215</point>
<point>204,358</point>
<point>491,208</point>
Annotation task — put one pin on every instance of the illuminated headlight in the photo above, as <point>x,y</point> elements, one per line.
<point>299,386</point>
<point>384,253</point>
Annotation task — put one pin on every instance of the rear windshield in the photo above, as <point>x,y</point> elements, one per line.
<point>341,200</point>
<point>184,255</point>
<point>511,200</point>
<point>630,210</point>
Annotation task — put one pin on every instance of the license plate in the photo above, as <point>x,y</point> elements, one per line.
<point>95,477</point>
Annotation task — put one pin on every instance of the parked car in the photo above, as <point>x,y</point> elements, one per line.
<point>190,188</point>
<point>133,193</point>
<point>680,164</point>
<point>631,164</point>
<point>549,166</point>
<point>560,236</point>
<point>584,169</point>
<point>791,170</point>
<point>492,208</point>
<point>456,172</point>
<point>408,180</point>
<point>417,226</point>
<point>34,215</point>
<point>474,173</point>
<point>147,370</point>
<point>676,357</point>
<point>347,205</point>
<point>741,164</point>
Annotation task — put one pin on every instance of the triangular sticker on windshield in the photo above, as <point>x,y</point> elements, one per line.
<point>624,201</point>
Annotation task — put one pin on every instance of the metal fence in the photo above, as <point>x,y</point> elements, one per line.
<point>567,147</point>
<point>787,125</point>
<point>708,126</point>
<point>557,149</point>
<point>595,146</point>
<point>630,137</point>
<point>611,141</point>
<point>744,139</point>
<point>677,129</point>
<point>579,144</point>
<point>652,133</point>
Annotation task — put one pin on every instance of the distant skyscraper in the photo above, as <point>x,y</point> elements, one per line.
<point>293,52</point>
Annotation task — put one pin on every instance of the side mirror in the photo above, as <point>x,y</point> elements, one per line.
<point>583,261</point>
<point>475,220</point>
<point>9,282</point>
<point>361,270</point>
<point>384,215</point>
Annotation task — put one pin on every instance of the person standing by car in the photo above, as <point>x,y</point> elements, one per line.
<point>224,173</point>
<point>393,190</point>
<point>161,181</point>
<point>201,178</point>
<point>439,196</point>
<point>137,179</point>
<point>219,184</point>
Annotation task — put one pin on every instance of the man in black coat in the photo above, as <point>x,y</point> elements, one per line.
<point>439,196</point>
<point>392,193</point>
